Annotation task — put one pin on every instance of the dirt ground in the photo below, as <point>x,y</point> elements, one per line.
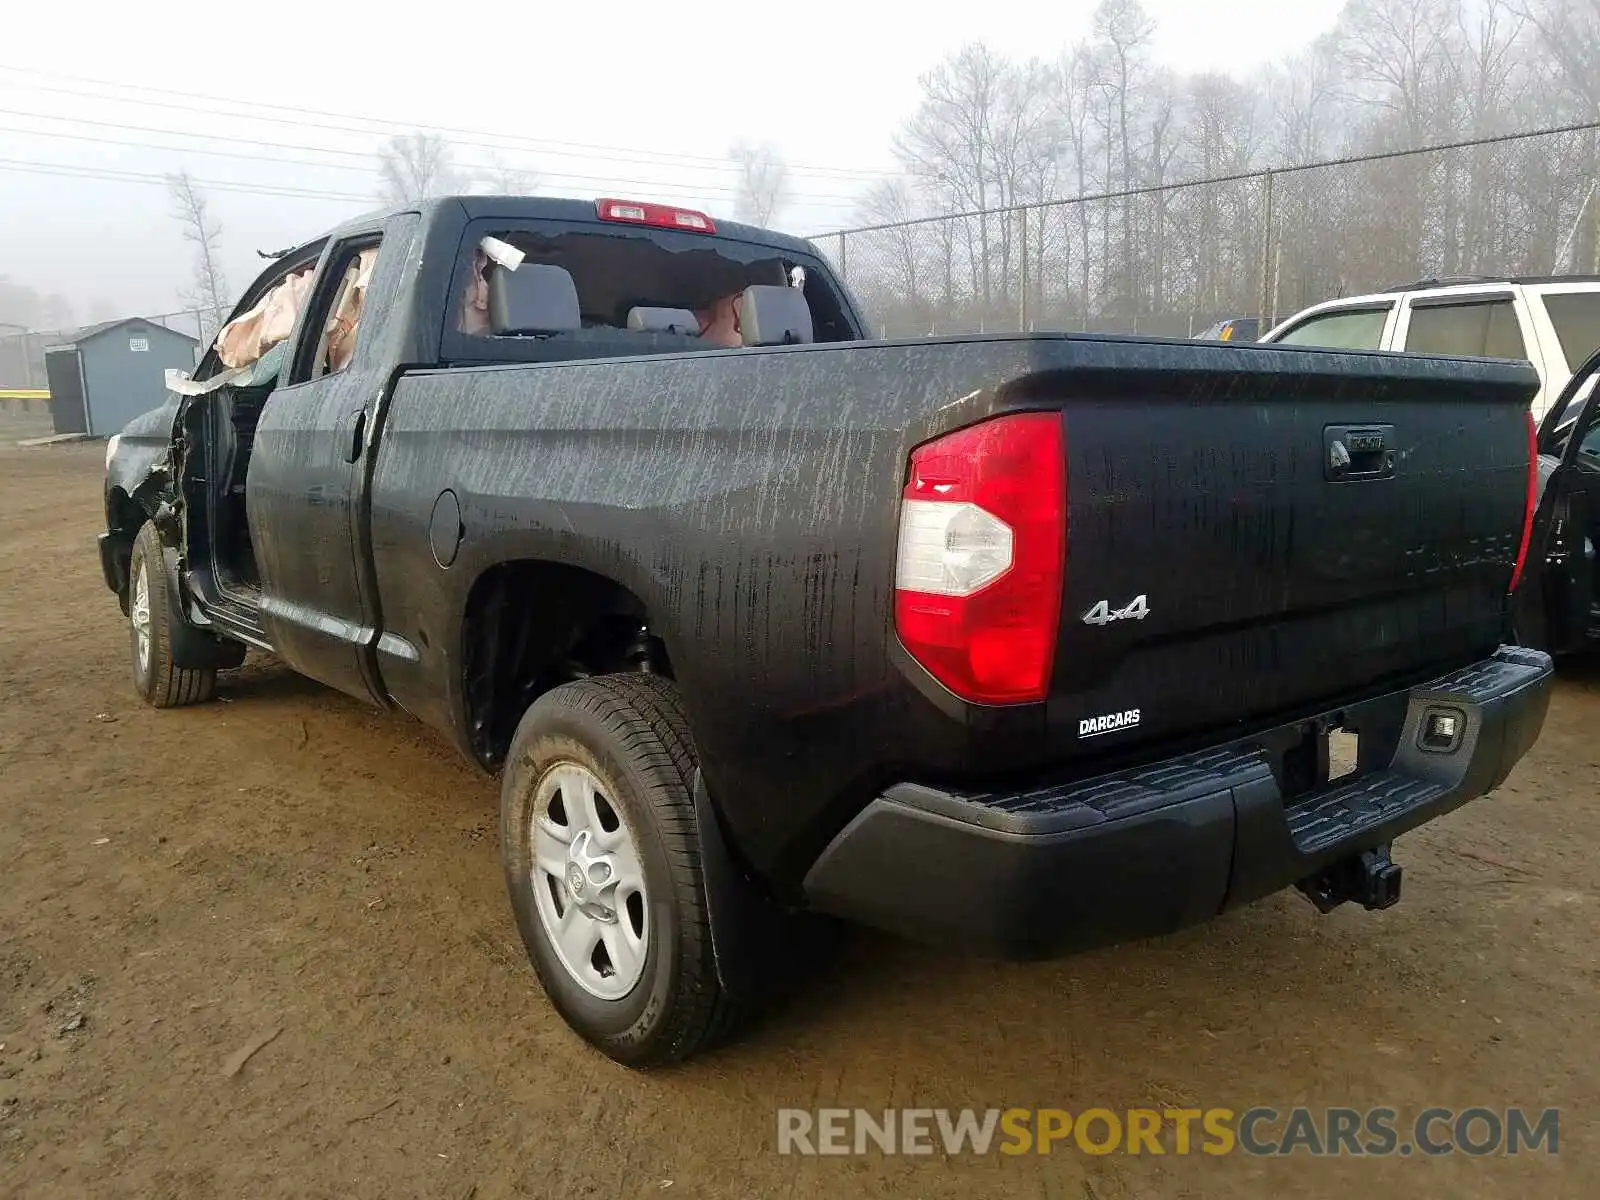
<point>288,861</point>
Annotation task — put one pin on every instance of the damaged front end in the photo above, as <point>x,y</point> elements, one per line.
<point>139,487</point>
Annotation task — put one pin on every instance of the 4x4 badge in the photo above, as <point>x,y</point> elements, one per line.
<point>1103,614</point>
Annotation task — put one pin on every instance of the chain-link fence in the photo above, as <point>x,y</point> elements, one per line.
<point>1172,259</point>
<point>22,350</point>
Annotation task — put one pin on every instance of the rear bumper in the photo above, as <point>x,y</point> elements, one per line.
<point>1152,849</point>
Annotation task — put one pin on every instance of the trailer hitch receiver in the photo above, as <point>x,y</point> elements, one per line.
<point>1370,877</point>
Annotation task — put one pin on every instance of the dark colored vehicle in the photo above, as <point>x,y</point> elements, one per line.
<point>1234,329</point>
<point>1029,643</point>
<point>1559,609</point>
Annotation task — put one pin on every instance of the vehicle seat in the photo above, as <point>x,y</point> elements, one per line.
<point>663,320</point>
<point>534,300</point>
<point>774,315</point>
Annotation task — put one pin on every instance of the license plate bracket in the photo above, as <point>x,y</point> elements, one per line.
<point>1343,747</point>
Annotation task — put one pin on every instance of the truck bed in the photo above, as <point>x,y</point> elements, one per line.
<point>749,500</point>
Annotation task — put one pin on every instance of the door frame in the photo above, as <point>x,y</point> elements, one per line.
<point>1553,513</point>
<point>366,363</point>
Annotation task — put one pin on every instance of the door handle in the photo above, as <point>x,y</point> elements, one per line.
<point>356,426</point>
<point>1358,452</point>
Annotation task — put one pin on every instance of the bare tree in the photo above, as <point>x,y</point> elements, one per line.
<point>1219,138</point>
<point>1569,33</point>
<point>987,137</point>
<point>1569,37</point>
<point>1396,56</point>
<point>763,182</point>
<point>209,292</point>
<point>414,167</point>
<point>948,145</point>
<point>1123,32</point>
<point>498,177</point>
<point>26,308</point>
<point>1305,118</point>
<point>1301,100</point>
<point>1165,139</point>
<point>1025,166</point>
<point>1076,86</point>
<point>896,293</point>
<point>1490,82</point>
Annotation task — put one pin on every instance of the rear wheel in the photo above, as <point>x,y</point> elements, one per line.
<point>602,863</point>
<point>151,611</point>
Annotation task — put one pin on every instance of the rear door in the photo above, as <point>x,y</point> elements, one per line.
<point>304,490</point>
<point>1568,317</point>
<point>1476,322</point>
<point>1359,325</point>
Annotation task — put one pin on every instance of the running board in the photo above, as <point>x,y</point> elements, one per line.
<point>232,614</point>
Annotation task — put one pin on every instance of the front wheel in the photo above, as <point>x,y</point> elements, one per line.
<point>157,679</point>
<point>602,863</point>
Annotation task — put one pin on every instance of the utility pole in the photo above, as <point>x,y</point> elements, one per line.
<point>1266,252</point>
<point>1594,205</point>
<point>1269,319</point>
<point>1572,244</point>
<point>1022,272</point>
<point>1594,188</point>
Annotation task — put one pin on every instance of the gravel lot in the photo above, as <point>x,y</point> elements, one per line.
<point>175,887</point>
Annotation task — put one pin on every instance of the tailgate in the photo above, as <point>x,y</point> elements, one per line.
<point>1262,530</point>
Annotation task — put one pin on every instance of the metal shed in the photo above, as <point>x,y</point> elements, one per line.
<point>111,373</point>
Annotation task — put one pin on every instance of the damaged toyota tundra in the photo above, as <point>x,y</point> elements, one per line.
<point>1023,644</point>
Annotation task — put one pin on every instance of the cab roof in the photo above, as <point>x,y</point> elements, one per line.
<point>548,208</point>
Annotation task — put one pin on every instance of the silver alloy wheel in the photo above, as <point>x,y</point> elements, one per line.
<point>588,882</point>
<point>139,616</point>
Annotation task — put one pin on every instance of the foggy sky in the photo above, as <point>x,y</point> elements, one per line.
<point>594,101</point>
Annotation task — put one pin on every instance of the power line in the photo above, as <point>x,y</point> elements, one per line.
<point>117,175</point>
<point>1152,189</point>
<point>366,160</point>
<point>505,141</point>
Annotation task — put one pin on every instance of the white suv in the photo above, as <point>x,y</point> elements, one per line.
<point>1553,323</point>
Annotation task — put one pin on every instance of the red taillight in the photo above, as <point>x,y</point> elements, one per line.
<point>1532,502</point>
<point>983,542</point>
<point>661,216</point>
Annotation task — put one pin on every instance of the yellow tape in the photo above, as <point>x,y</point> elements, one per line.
<point>23,394</point>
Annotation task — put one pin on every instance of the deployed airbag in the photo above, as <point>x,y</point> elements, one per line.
<point>248,336</point>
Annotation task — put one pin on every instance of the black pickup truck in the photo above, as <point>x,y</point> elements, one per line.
<point>1024,643</point>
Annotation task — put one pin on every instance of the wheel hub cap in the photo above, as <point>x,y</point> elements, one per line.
<point>139,615</point>
<point>588,882</point>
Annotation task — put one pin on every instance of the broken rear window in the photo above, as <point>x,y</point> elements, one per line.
<point>670,291</point>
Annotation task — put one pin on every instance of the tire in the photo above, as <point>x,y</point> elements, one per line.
<point>159,682</point>
<point>627,738</point>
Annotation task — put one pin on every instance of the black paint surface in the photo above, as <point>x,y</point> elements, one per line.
<point>749,501</point>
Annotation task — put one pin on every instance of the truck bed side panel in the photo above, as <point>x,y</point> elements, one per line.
<point>749,500</point>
